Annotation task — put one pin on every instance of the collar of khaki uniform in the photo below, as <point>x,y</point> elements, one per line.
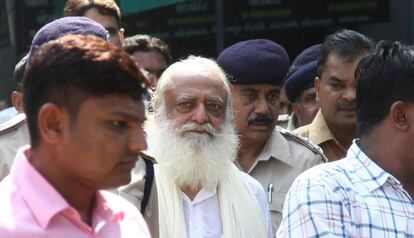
<point>319,131</point>
<point>13,123</point>
<point>276,147</point>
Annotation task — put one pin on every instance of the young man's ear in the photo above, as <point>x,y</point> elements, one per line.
<point>399,115</point>
<point>52,121</point>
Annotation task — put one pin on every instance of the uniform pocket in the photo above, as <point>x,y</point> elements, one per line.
<point>276,210</point>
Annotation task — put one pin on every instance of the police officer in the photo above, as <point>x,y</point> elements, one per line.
<point>300,88</point>
<point>334,126</point>
<point>272,156</point>
<point>14,132</point>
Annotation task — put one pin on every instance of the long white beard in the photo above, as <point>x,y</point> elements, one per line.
<point>192,160</point>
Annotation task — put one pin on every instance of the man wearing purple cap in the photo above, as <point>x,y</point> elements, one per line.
<point>84,110</point>
<point>272,156</point>
<point>14,133</point>
<point>300,88</point>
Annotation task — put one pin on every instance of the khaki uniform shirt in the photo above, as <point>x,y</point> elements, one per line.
<point>287,121</point>
<point>291,125</point>
<point>13,135</point>
<point>283,158</point>
<point>319,133</point>
<point>283,120</point>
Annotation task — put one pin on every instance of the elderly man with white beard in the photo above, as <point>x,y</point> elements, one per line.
<point>198,190</point>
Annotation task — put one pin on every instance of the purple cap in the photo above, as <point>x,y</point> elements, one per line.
<point>258,61</point>
<point>67,26</point>
<point>303,72</point>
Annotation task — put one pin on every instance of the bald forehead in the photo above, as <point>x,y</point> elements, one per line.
<point>196,83</point>
<point>181,75</point>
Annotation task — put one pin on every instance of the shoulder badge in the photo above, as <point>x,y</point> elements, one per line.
<point>304,141</point>
<point>13,123</point>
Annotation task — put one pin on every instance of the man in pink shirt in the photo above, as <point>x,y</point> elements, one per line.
<point>83,102</point>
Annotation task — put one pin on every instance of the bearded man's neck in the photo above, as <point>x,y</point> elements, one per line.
<point>190,192</point>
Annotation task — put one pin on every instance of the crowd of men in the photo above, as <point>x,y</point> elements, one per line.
<point>108,137</point>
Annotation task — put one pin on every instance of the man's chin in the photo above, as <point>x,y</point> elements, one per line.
<point>347,122</point>
<point>114,183</point>
<point>347,113</point>
<point>258,136</point>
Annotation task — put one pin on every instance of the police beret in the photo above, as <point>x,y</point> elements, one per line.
<point>303,72</point>
<point>256,61</point>
<point>66,26</point>
<point>307,55</point>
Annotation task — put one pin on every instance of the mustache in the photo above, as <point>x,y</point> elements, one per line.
<point>194,127</point>
<point>345,105</point>
<point>260,119</point>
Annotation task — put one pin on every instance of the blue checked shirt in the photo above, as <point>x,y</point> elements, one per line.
<point>352,197</point>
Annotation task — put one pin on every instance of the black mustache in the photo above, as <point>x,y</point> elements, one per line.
<point>260,120</point>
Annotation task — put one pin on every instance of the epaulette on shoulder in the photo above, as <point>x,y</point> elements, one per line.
<point>283,118</point>
<point>303,141</point>
<point>13,123</point>
<point>147,157</point>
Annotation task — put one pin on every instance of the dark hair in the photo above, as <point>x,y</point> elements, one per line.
<point>383,77</point>
<point>146,43</point>
<point>345,43</point>
<point>18,73</point>
<point>104,7</point>
<point>72,68</point>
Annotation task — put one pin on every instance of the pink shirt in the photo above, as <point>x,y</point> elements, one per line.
<point>31,207</point>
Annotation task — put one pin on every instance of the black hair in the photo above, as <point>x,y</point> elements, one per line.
<point>385,76</point>
<point>72,68</point>
<point>147,43</point>
<point>104,7</point>
<point>347,44</point>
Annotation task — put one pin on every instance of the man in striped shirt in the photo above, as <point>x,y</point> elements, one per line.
<point>370,192</point>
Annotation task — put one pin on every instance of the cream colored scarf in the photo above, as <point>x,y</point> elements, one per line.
<point>240,212</point>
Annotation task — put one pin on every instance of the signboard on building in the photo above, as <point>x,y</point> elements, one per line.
<point>191,24</point>
<point>197,18</point>
<point>129,6</point>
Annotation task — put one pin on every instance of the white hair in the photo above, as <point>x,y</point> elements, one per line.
<point>193,160</point>
<point>203,64</point>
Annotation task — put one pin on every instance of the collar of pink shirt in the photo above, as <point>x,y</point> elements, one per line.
<point>46,203</point>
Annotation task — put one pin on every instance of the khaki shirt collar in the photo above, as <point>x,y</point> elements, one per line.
<point>276,147</point>
<point>319,131</point>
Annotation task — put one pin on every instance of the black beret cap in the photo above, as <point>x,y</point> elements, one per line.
<point>307,55</point>
<point>303,72</point>
<point>65,26</point>
<point>258,61</point>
